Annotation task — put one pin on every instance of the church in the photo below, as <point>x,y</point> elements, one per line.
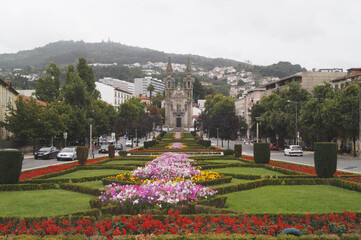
<point>178,100</point>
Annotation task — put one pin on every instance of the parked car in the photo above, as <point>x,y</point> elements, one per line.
<point>129,144</point>
<point>293,150</point>
<point>66,154</point>
<point>104,148</point>
<point>273,146</point>
<point>46,153</point>
<point>118,147</point>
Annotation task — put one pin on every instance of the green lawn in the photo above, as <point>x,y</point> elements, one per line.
<point>42,202</point>
<point>247,170</point>
<point>294,199</point>
<point>126,162</point>
<point>234,181</point>
<point>94,184</point>
<point>90,173</point>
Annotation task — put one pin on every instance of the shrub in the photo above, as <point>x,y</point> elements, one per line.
<point>238,150</point>
<point>122,153</point>
<point>10,166</point>
<point>207,143</point>
<point>261,153</point>
<point>212,147</point>
<point>146,145</point>
<point>82,154</point>
<point>111,151</point>
<point>227,152</point>
<point>325,159</point>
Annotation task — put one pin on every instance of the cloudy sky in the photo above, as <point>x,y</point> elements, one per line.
<point>313,33</point>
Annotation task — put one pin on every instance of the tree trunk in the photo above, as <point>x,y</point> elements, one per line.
<point>228,144</point>
<point>354,146</point>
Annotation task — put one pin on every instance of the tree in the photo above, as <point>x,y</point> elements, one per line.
<point>150,88</point>
<point>348,106</point>
<point>74,91</point>
<point>85,72</point>
<point>241,83</point>
<point>47,88</point>
<point>29,120</point>
<point>157,100</point>
<point>198,90</point>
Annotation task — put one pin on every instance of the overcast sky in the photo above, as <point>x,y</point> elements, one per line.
<point>313,33</point>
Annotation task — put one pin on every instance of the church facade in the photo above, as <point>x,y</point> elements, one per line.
<point>178,99</point>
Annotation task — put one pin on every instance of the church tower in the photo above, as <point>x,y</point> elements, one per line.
<point>178,99</point>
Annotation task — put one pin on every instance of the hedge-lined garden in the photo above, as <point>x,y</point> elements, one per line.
<point>192,197</point>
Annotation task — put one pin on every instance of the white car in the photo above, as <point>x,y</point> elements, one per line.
<point>293,150</point>
<point>66,154</point>
<point>129,144</point>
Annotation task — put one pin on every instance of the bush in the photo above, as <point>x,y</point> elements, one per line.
<point>207,143</point>
<point>146,145</point>
<point>227,152</point>
<point>261,153</point>
<point>82,154</point>
<point>11,162</point>
<point>122,153</point>
<point>111,151</point>
<point>325,159</point>
<point>238,150</point>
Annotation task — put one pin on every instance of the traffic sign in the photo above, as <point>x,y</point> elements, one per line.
<point>65,134</point>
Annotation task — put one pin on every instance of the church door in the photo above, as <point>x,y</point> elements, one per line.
<point>179,122</point>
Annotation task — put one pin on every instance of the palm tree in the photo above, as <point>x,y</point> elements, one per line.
<point>150,88</point>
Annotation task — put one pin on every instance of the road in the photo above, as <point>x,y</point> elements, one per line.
<point>31,163</point>
<point>344,163</point>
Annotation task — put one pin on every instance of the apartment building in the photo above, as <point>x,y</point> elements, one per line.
<point>141,85</point>
<point>111,95</point>
<point>7,95</point>
<point>120,84</point>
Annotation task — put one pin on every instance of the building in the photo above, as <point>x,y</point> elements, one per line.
<point>178,99</point>
<point>144,99</point>
<point>120,84</point>
<point>141,85</point>
<point>111,95</point>
<point>8,95</point>
<point>307,80</point>
<point>353,75</point>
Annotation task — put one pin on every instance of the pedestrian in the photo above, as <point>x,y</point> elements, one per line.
<point>93,150</point>
<point>244,141</point>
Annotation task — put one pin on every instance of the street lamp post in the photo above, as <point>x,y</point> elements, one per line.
<point>296,120</point>
<point>90,134</point>
<point>257,129</point>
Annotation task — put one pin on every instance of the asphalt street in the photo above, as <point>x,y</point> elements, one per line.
<point>344,163</point>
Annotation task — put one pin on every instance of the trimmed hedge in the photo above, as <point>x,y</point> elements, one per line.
<point>261,153</point>
<point>80,188</point>
<point>82,153</point>
<point>238,150</point>
<point>111,151</point>
<point>325,159</point>
<point>24,187</point>
<point>228,152</point>
<point>11,162</point>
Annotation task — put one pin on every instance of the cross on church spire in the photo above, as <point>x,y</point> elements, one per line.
<point>169,70</point>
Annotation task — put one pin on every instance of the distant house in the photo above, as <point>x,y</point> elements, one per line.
<point>144,99</point>
<point>353,75</point>
<point>112,95</point>
<point>27,99</point>
<point>8,95</point>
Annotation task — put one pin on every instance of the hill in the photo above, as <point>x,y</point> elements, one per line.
<point>68,52</point>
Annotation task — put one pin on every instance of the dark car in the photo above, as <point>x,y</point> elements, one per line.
<point>104,148</point>
<point>46,153</point>
<point>118,147</point>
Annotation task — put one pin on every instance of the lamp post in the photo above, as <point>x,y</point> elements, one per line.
<point>90,134</point>
<point>257,128</point>
<point>296,120</point>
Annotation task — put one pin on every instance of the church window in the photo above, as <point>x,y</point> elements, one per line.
<point>189,84</point>
<point>178,107</point>
<point>168,84</point>
<point>185,107</point>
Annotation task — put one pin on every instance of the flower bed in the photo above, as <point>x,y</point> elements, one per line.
<point>354,179</point>
<point>170,183</point>
<point>178,135</point>
<point>303,169</point>
<point>179,225</point>
<point>55,168</point>
<point>176,145</point>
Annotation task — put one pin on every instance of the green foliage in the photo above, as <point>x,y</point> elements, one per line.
<point>281,69</point>
<point>122,153</point>
<point>198,90</point>
<point>85,72</point>
<point>111,151</point>
<point>82,153</point>
<point>261,153</point>
<point>47,89</point>
<point>10,166</point>
<point>238,150</point>
<point>228,152</point>
<point>325,159</point>
<point>75,91</point>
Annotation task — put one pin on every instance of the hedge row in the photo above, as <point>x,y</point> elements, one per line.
<point>222,165</point>
<point>24,187</point>
<point>204,143</point>
<point>151,143</point>
<point>200,158</point>
<point>80,188</point>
